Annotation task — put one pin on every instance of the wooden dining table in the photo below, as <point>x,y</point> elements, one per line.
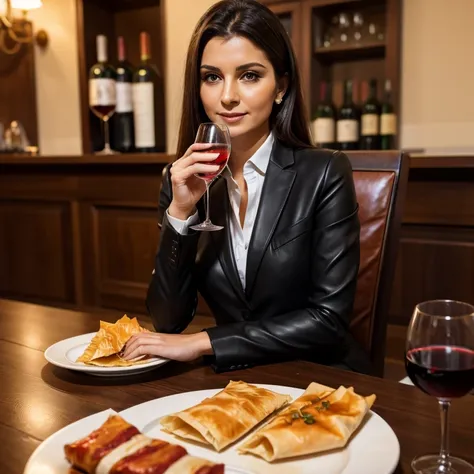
<point>37,398</point>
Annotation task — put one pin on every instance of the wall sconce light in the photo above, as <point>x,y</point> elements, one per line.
<point>14,32</point>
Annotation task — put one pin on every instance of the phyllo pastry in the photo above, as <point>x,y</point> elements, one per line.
<point>319,420</point>
<point>106,345</point>
<point>117,447</point>
<point>225,417</point>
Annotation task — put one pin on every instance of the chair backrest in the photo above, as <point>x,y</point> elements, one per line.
<point>380,180</point>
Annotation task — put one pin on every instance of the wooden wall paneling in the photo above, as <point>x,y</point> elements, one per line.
<point>124,243</point>
<point>433,263</point>
<point>393,34</point>
<point>441,203</point>
<point>18,90</point>
<point>36,250</point>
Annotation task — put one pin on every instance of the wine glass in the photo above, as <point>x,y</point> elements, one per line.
<point>439,360</point>
<point>219,136</point>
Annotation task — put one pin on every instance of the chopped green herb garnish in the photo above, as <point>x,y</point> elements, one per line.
<point>326,404</point>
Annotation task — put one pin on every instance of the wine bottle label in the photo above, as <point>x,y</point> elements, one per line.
<point>347,130</point>
<point>144,114</point>
<point>388,124</point>
<point>370,124</point>
<point>124,97</point>
<point>324,130</point>
<point>102,92</point>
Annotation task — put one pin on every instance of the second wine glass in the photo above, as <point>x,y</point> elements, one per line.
<point>440,361</point>
<point>218,136</point>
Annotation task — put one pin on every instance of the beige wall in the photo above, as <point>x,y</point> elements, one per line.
<point>57,79</point>
<point>184,13</point>
<point>437,73</point>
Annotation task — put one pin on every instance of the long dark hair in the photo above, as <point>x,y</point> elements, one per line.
<point>257,23</point>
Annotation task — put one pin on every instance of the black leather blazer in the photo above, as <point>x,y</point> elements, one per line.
<point>301,272</point>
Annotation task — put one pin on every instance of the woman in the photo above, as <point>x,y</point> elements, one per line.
<point>280,278</point>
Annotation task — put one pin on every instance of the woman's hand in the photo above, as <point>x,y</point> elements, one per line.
<point>182,347</point>
<point>187,188</point>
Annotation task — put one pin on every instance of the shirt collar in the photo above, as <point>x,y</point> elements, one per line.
<point>261,157</point>
<point>258,161</point>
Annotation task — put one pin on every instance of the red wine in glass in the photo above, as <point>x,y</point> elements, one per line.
<point>221,160</point>
<point>217,136</point>
<point>439,359</point>
<point>442,371</point>
<point>103,111</point>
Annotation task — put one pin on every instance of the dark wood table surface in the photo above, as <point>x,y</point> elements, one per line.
<point>37,399</point>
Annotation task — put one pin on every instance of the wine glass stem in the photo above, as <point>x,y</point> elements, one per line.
<point>106,134</point>
<point>208,221</point>
<point>444,463</point>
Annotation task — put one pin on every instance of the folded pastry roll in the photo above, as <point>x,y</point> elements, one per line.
<point>320,420</point>
<point>117,447</point>
<point>109,341</point>
<point>225,417</point>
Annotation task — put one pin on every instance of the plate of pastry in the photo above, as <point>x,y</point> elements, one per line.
<point>99,353</point>
<point>239,429</point>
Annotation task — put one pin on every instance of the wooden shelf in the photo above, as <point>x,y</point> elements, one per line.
<point>351,52</point>
<point>112,160</point>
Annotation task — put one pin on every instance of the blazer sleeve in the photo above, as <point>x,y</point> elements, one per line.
<point>172,294</point>
<point>320,328</point>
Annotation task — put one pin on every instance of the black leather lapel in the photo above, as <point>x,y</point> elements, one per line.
<point>275,192</point>
<point>220,214</point>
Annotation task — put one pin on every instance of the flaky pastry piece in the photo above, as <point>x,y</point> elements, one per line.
<point>106,345</point>
<point>225,417</point>
<point>319,420</point>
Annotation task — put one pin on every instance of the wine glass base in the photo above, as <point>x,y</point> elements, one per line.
<point>430,465</point>
<point>206,227</point>
<point>107,151</point>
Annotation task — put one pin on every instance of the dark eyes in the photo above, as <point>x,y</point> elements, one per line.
<point>248,76</point>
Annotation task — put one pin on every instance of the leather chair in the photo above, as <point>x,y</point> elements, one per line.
<point>380,180</point>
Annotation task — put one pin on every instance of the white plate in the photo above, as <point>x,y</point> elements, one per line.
<point>373,449</point>
<point>65,353</point>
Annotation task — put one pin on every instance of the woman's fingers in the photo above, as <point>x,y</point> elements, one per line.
<point>183,175</point>
<point>193,148</point>
<point>195,157</point>
<point>144,349</point>
<point>137,340</point>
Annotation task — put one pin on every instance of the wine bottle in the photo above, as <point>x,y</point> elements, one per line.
<point>102,95</point>
<point>370,117</point>
<point>102,86</point>
<point>388,120</point>
<point>123,130</point>
<point>324,125</point>
<point>144,99</point>
<point>348,121</point>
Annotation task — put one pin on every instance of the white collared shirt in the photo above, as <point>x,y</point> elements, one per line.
<point>254,175</point>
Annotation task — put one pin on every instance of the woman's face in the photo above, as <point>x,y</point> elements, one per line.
<point>238,85</point>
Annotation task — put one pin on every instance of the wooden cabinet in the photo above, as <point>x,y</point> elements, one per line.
<point>80,231</point>
<point>323,56</point>
<point>115,18</point>
<point>290,14</point>
<point>436,252</point>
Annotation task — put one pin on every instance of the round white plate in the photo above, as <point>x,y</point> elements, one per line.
<point>373,449</point>
<point>65,353</point>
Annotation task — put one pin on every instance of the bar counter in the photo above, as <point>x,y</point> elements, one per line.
<point>81,231</point>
